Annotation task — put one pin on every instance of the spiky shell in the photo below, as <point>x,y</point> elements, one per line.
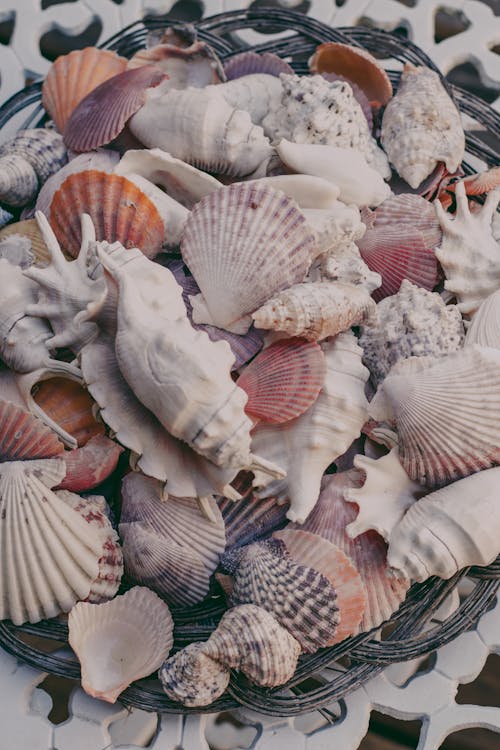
<point>411,323</point>
<point>244,243</point>
<point>71,77</point>
<point>421,126</point>
<point>193,678</point>
<point>449,529</point>
<point>23,436</point>
<point>120,641</point>
<point>202,129</point>
<point>27,161</point>
<point>445,411</point>
<point>316,311</point>
<point>485,326</point>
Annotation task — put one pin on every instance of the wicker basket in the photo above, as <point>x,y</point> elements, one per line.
<point>407,634</point>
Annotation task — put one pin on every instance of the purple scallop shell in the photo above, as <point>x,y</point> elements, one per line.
<point>247,63</point>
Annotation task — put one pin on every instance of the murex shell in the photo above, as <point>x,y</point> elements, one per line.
<point>421,126</point>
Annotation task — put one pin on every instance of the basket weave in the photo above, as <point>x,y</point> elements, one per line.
<point>403,638</point>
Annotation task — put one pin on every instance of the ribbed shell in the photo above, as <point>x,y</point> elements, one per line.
<point>22,244</point>
<point>249,62</point>
<point>24,437</point>
<point>193,678</point>
<point>18,180</point>
<point>120,641</point>
<point>251,641</point>
<point>407,210</point>
<point>89,466</point>
<point>244,243</point>
<point>446,413</point>
<point>316,311</point>
<point>195,66</point>
<point>299,598</point>
<point>37,152</point>
<point>250,520</point>
<point>71,77</point>
<point>485,326</point>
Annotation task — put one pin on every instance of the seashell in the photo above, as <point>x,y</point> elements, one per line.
<point>468,253</point>
<point>120,641</point>
<point>195,66</point>
<point>103,160</point>
<point>445,413</point>
<point>357,65</point>
<point>368,552</point>
<point>315,552</point>
<point>93,509</point>
<point>309,192</point>
<point>298,597</point>
<point>24,437</point>
<point>248,62</point>
<point>411,323</point>
<point>421,126</point>
<point>174,120</point>
<point>26,162</point>
<point>335,226</point>
<point>71,77</point>
<point>181,181</point>
<point>5,217</point>
<point>49,554</point>
<point>90,465</point>
<point>250,640</point>
<point>358,182</point>
<point>102,114</point>
<point>405,210</point>
<point>313,110</point>
<point>22,244</point>
<point>243,243</point>
<point>257,94</point>
<point>449,529</point>
<point>250,520</point>
<point>475,184</point>
<point>485,326</point>
<point>192,678</point>
<point>358,94</point>
<point>306,446</point>
<point>316,311</point>
<point>284,380</point>
<point>384,497</point>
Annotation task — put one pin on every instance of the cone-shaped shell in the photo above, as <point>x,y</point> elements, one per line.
<point>243,244</point>
<point>120,641</point>
<point>71,77</point>
<point>24,437</point>
<point>250,640</point>
<point>193,678</point>
<point>485,326</point>
<point>446,413</point>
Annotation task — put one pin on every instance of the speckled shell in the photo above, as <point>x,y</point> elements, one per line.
<point>449,529</point>
<point>306,446</point>
<point>24,437</point>
<point>193,678</point>
<point>176,120</point>
<point>316,311</point>
<point>244,243</point>
<point>411,323</point>
<point>421,126</point>
<point>445,412</point>
<point>120,641</point>
<point>485,326</point>
<point>250,640</point>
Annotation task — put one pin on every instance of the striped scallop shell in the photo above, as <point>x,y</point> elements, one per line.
<point>192,678</point>
<point>71,77</point>
<point>248,62</point>
<point>243,244</point>
<point>24,437</point>
<point>120,641</point>
<point>485,326</point>
<point>445,411</point>
<point>251,520</point>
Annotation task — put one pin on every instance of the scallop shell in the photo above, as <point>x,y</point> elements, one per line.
<point>411,323</point>
<point>192,678</point>
<point>449,529</point>
<point>248,62</point>
<point>23,436</point>
<point>120,641</point>
<point>250,520</point>
<point>321,555</point>
<point>316,311</point>
<point>101,115</point>
<point>71,77</point>
<point>485,326</point>
<point>250,640</point>
<point>119,210</point>
<point>421,126</point>
<point>195,66</point>
<point>89,466</point>
<point>405,210</point>
<point>284,380</point>
<point>445,411</point>
<point>49,554</point>
<point>475,184</point>
<point>298,597</point>
<point>243,244</point>
<point>347,168</point>
<point>469,253</point>
<point>306,446</point>
<point>22,244</point>
<point>174,121</point>
<point>368,551</point>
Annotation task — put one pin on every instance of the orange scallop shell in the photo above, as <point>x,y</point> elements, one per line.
<point>70,406</point>
<point>119,210</point>
<point>73,76</point>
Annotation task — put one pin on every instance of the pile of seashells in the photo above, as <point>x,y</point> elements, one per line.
<point>226,274</point>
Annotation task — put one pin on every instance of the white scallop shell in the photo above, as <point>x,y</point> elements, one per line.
<point>485,326</point>
<point>120,641</point>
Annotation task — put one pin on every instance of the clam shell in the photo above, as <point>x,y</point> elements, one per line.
<point>250,640</point>
<point>24,437</point>
<point>90,465</point>
<point>193,678</point>
<point>101,115</point>
<point>195,66</point>
<point>485,326</point>
<point>243,244</point>
<point>120,641</point>
<point>71,77</point>
<point>22,244</point>
<point>246,63</point>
